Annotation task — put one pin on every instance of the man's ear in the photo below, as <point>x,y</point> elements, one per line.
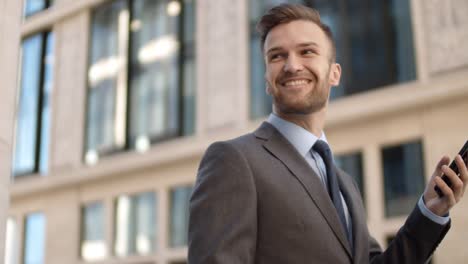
<point>335,74</point>
<point>267,88</point>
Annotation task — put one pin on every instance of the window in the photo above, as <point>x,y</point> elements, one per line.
<point>374,46</point>
<point>93,244</point>
<point>33,118</point>
<point>34,239</point>
<point>11,242</point>
<point>135,232</point>
<point>34,6</point>
<point>352,164</point>
<point>180,197</point>
<point>403,177</point>
<point>141,75</point>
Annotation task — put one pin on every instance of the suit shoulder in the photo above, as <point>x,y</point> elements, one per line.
<point>238,144</point>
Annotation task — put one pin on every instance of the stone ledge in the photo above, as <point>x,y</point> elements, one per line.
<point>356,108</point>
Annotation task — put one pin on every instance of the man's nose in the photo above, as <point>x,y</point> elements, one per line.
<point>293,64</point>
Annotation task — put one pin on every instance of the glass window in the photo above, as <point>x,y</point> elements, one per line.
<point>11,243</point>
<point>374,42</point>
<point>93,244</point>
<point>135,232</point>
<point>180,197</point>
<point>34,239</point>
<point>33,118</point>
<point>107,91</point>
<point>157,101</point>
<point>352,164</point>
<point>33,6</point>
<point>403,177</point>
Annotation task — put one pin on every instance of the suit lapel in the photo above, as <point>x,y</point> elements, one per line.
<point>358,216</point>
<point>280,147</point>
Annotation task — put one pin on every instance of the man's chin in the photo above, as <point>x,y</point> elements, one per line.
<point>300,109</point>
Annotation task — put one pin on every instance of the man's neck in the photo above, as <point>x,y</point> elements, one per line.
<point>313,122</point>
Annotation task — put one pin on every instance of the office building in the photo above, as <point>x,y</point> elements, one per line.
<point>108,106</point>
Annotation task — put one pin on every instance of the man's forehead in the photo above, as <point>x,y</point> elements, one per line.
<point>295,33</point>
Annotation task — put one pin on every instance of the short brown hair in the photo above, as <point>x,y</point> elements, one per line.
<point>285,13</point>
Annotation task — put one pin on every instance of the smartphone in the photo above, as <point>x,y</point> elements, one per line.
<point>464,154</point>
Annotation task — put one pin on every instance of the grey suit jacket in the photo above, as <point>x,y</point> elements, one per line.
<point>256,200</point>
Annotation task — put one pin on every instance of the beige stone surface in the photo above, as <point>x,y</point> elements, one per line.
<point>221,62</point>
<point>9,48</point>
<point>62,227</point>
<point>69,96</point>
<point>4,196</point>
<point>447,34</point>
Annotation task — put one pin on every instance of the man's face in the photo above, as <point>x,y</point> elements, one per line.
<point>299,71</point>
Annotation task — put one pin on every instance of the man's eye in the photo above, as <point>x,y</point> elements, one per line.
<point>308,51</point>
<point>276,56</point>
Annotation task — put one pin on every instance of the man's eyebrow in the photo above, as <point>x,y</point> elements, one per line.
<point>273,49</point>
<point>300,45</point>
<point>305,44</point>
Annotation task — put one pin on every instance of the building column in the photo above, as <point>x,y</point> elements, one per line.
<point>10,21</point>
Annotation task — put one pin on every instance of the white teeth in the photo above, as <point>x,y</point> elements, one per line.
<point>295,82</point>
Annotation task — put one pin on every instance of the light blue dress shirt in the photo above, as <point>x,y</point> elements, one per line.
<point>303,141</point>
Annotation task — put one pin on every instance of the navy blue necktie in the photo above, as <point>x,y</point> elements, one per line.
<point>333,187</point>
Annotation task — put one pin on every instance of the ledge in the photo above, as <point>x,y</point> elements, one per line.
<point>357,108</point>
<point>47,18</point>
<point>398,98</point>
<point>165,153</point>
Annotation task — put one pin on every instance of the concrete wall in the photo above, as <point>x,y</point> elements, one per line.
<point>9,52</point>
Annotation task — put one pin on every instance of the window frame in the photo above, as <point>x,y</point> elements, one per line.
<point>83,225</point>
<point>129,143</point>
<point>25,234</point>
<point>47,5</point>
<point>39,144</point>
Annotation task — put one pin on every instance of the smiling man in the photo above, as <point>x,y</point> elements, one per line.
<point>275,195</point>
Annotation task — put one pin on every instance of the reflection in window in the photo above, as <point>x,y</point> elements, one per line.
<point>107,80</point>
<point>33,118</point>
<point>152,97</point>
<point>33,6</point>
<point>34,239</point>
<point>135,224</point>
<point>180,197</point>
<point>93,245</point>
<point>373,39</point>
<point>352,164</point>
<point>11,242</point>
<point>403,177</point>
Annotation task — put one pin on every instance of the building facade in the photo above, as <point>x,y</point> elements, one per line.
<point>108,106</point>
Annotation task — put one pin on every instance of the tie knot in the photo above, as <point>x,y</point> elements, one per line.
<point>322,148</point>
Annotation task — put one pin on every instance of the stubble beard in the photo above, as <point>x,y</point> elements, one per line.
<point>313,101</point>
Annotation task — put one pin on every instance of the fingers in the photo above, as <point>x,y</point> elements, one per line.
<point>457,183</point>
<point>448,193</point>
<point>463,171</point>
<point>445,160</point>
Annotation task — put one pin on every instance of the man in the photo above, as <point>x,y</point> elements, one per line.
<point>275,196</point>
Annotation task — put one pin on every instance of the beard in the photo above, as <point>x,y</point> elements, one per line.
<point>314,100</point>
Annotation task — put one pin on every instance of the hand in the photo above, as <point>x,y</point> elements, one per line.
<point>442,205</point>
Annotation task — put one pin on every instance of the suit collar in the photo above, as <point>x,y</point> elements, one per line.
<point>281,148</point>
<point>300,138</point>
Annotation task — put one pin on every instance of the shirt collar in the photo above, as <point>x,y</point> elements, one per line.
<point>301,139</point>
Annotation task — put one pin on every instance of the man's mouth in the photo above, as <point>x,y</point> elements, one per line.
<point>295,83</point>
